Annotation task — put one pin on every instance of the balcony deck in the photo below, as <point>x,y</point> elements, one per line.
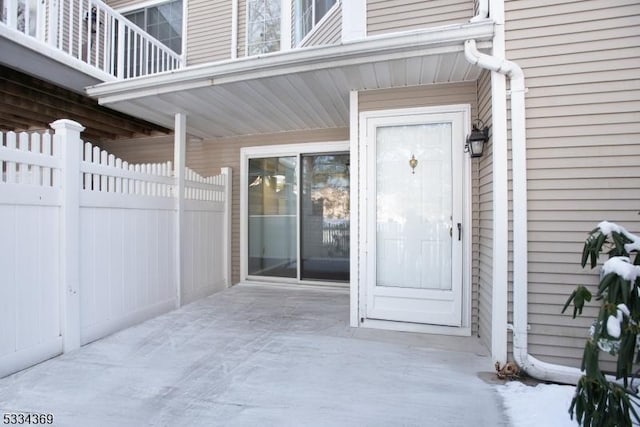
<point>76,43</point>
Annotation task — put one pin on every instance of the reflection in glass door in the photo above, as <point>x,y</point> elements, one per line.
<point>324,219</point>
<point>294,234</point>
<point>272,216</point>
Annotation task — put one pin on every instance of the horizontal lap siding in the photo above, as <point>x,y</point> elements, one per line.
<point>209,31</point>
<point>329,31</point>
<point>435,95</point>
<point>207,157</point>
<point>582,61</point>
<point>388,16</point>
<point>483,215</point>
<point>118,4</point>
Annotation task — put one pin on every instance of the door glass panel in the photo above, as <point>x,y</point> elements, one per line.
<point>414,206</point>
<point>325,217</point>
<point>272,216</point>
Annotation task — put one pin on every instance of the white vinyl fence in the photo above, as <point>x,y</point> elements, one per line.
<point>89,243</point>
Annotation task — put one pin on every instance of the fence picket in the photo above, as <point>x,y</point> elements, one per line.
<point>36,171</point>
<point>95,159</point>
<point>118,188</point>
<point>138,169</point>
<point>57,153</point>
<point>103,178</point>
<point>125,181</point>
<point>2,139</point>
<point>23,168</point>
<point>46,150</point>
<point>154,186</point>
<point>163,187</point>
<point>88,177</point>
<point>111,181</point>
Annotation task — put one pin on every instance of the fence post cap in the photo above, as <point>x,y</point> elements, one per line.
<point>67,124</point>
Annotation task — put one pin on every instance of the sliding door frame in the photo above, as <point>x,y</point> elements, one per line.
<point>297,150</point>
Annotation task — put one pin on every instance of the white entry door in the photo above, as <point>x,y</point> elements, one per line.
<point>414,223</point>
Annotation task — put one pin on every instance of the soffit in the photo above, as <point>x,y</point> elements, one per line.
<point>306,89</point>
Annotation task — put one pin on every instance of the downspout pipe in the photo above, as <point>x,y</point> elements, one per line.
<point>532,366</point>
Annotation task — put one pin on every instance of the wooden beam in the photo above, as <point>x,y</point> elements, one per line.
<point>10,122</point>
<point>40,103</point>
<point>75,106</point>
<point>38,111</point>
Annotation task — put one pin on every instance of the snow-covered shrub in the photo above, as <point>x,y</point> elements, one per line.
<point>599,402</point>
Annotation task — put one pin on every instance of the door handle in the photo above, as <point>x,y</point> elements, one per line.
<point>459,231</point>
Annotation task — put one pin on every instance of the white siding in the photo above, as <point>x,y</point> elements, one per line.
<point>582,62</point>
<point>388,16</point>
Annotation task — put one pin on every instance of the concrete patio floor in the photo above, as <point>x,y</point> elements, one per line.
<point>259,356</point>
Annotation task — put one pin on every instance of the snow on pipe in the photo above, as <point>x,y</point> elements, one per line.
<point>531,365</point>
<point>483,11</point>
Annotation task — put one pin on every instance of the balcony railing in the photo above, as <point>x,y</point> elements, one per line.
<point>92,32</point>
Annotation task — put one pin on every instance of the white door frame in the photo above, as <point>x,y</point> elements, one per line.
<point>362,245</point>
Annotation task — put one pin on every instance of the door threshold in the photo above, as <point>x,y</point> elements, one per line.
<point>416,327</point>
<point>294,286</point>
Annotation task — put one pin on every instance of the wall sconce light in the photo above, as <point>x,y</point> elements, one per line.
<point>477,138</point>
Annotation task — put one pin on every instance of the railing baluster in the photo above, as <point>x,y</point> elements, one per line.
<point>109,42</point>
<point>80,7</point>
<point>71,30</point>
<point>98,39</point>
<point>39,20</point>
<point>60,31</point>
<point>105,41</point>
<point>121,50</point>
<point>88,18</point>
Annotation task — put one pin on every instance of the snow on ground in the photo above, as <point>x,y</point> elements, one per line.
<point>536,406</point>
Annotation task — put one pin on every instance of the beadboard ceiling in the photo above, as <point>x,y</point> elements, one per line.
<point>311,94</point>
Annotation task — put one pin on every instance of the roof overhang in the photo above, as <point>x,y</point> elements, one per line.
<point>300,89</point>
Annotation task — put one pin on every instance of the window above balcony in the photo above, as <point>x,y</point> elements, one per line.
<point>263,26</point>
<point>164,21</point>
<point>308,13</point>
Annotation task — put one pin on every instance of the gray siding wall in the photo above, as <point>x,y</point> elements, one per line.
<point>483,216</point>
<point>209,31</point>
<point>582,64</point>
<point>434,95</point>
<point>117,4</point>
<point>329,30</point>
<point>388,16</point>
<point>207,157</point>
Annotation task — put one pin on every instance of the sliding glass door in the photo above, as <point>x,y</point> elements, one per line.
<point>298,217</point>
<point>272,217</point>
<point>324,217</point>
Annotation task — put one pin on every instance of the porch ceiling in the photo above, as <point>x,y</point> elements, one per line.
<point>302,89</point>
